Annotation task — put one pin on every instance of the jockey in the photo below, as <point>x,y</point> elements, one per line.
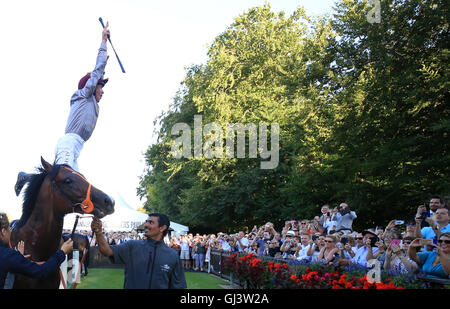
<point>84,110</point>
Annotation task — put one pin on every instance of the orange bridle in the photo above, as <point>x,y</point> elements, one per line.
<point>86,206</point>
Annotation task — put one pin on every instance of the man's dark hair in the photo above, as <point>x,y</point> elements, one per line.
<point>162,220</point>
<point>441,200</point>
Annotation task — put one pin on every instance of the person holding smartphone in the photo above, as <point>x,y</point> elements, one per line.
<point>436,263</point>
<point>397,257</point>
<point>365,252</point>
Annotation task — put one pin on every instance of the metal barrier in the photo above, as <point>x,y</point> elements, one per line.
<point>216,266</point>
<point>98,260</point>
<point>435,283</point>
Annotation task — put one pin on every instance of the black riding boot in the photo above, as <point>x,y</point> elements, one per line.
<point>22,179</point>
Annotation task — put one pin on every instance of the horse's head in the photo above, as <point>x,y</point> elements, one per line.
<point>75,193</point>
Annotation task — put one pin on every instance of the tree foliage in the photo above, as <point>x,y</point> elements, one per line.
<point>362,109</point>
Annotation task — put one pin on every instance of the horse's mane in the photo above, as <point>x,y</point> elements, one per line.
<point>31,193</point>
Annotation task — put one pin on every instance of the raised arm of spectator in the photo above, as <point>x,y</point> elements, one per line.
<point>321,254</point>
<point>241,244</point>
<point>381,248</point>
<point>387,260</point>
<point>349,249</point>
<point>418,219</point>
<point>312,247</point>
<point>418,228</point>
<point>390,226</point>
<point>434,226</point>
<point>369,255</point>
<point>285,246</point>
<point>412,250</point>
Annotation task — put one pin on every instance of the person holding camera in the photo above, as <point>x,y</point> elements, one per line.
<point>199,252</point>
<point>224,241</point>
<point>410,229</point>
<point>303,247</point>
<point>366,252</point>
<point>241,241</point>
<point>436,263</point>
<point>314,226</point>
<point>397,257</point>
<point>262,239</point>
<point>316,244</point>
<point>185,255</point>
<point>344,218</point>
<point>289,246</point>
<point>345,247</point>
<point>273,248</point>
<point>232,242</point>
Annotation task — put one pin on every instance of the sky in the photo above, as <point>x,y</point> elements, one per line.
<point>47,46</point>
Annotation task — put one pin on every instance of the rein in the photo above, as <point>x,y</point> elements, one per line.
<point>86,206</point>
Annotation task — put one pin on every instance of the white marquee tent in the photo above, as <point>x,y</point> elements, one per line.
<point>124,219</point>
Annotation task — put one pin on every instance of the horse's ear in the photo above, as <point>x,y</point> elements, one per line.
<point>47,166</point>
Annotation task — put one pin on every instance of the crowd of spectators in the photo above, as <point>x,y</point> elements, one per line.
<point>421,243</point>
<point>113,238</point>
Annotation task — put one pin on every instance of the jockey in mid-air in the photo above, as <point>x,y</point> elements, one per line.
<point>84,110</point>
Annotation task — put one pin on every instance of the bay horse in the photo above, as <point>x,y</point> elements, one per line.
<point>53,192</point>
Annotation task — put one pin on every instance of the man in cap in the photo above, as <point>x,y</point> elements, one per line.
<point>84,110</point>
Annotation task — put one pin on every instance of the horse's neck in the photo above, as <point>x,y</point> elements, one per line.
<point>45,221</point>
<point>43,230</point>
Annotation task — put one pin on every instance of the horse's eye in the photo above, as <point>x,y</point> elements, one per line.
<point>67,181</point>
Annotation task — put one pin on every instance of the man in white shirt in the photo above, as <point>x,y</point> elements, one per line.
<point>303,247</point>
<point>242,242</point>
<point>225,246</point>
<point>436,227</point>
<point>344,218</point>
<point>366,252</point>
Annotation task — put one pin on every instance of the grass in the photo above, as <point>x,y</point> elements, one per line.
<point>105,278</point>
<point>102,278</point>
<point>203,281</point>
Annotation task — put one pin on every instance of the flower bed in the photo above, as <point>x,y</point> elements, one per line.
<point>264,273</point>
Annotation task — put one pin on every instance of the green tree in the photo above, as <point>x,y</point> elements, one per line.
<point>362,109</point>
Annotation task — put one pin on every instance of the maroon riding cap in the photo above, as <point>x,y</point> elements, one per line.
<point>85,78</point>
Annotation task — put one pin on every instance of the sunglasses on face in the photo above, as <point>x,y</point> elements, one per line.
<point>329,241</point>
<point>440,241</point>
